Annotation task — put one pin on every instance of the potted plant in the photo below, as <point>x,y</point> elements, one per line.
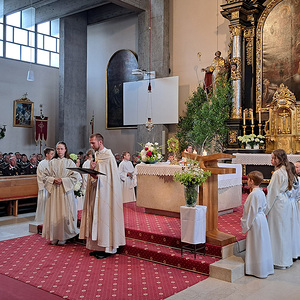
<point>252,141</point>
<point>191,176</point>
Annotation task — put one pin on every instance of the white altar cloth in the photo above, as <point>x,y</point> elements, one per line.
<point>157,190</point>
<point>193,224</point>
<point>259,158</point>
<point>224,180</point>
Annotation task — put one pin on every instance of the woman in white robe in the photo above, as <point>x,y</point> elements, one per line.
<point>295,230</point>
<point>60,221</point>
<point>278,210</point>
<point>128,178</point>
<point>259,259</point>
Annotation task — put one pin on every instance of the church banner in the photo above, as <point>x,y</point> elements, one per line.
<point>41,128</point>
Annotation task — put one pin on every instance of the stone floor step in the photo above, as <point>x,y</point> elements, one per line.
<point>229,269</point>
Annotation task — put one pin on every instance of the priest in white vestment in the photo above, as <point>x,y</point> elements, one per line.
<point>259,259</point>
<point>60,221</point>
<point>128,178</point>
<point>102,223</point>
<point>43,193</point>
<point>278,210</point>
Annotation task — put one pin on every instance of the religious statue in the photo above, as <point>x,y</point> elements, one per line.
<point>217,69</point>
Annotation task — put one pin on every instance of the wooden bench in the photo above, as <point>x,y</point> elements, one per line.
<point>14,188</point>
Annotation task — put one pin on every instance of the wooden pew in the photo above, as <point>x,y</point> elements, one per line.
<point>14,188</point>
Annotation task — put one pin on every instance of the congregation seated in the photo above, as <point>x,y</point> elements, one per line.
<point>12,168</point>
<point>39,158</point>
<point>24,163</point>
<point>32,166</point>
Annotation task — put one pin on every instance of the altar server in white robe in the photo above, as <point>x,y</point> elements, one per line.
<point>278,210</point>
<point>128,178</point>
<point>102,223</point>
<point>294,198</point>
<point>60,221</point>
<point>43,193</point>
<point>259,259</point>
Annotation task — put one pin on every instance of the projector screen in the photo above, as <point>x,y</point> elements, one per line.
<point>161,104</point>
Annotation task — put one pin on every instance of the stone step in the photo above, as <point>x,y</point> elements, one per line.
<point>229,269</point>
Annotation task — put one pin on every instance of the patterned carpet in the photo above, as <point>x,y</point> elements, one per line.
<point>69,271</point>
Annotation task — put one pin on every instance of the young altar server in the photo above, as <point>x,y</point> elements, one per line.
<point>128,178</point>
<point>294,198</point>
<point>278,210</point>
<point>60,221</point>
<point>259,259</point>
<point>43,193</point>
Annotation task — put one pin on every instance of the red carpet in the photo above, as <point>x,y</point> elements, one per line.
<point>70,272</point>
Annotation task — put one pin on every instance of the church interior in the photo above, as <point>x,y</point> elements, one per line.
<point>135,71</point>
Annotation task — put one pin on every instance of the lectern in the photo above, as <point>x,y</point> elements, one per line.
<point>208,196</point>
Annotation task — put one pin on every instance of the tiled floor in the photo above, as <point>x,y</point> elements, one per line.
<point>284,284</point>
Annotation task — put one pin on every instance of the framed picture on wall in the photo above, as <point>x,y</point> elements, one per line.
<point>23,112</point>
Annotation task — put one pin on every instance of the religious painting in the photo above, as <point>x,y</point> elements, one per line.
<point>278,50</point>
<point>119,70</point>
<point>23,113</point>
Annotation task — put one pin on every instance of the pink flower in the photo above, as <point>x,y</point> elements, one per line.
<point>146,148</point>
<point>149,153</point>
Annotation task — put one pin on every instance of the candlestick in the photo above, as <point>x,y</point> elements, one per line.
<point>251,112</point>
<point>252,129</point>
<point>244,129</point>
<point>244,117</point>
<point>259,116</point>
<point>259,129</point>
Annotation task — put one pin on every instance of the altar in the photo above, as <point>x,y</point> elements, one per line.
<point>158,193</point>
<point>259,162</point>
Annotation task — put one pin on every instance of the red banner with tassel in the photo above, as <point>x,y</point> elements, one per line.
<point>41,126</point>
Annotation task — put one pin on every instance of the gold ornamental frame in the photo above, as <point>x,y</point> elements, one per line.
<point>23,112</point>
<point>259,42</point>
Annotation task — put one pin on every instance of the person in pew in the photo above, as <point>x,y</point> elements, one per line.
<point>24,163</point>
<point>278,210</point>
<point>102,223</point>
<point>18,157</point>
<point>39,158</point>
<point>32,167</point>
<point>12,169</point>
<point>259,259</point>
<point>43,193</point>
<point>128,178</point>
<point>60,220</point>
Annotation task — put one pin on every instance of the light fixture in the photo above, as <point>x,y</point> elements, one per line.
<point>149,124</point>
<point>30,74</point>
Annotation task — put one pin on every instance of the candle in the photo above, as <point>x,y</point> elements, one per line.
<point>204,152</point>
<point>259,116</point>
<point>244,117</point>
<point>252,120</point>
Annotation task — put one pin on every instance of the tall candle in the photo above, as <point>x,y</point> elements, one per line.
<point>244,117</point>
<point>259,116</point>
<point>252,120</point>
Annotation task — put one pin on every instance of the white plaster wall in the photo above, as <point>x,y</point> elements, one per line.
<point>44,90</point>
<point>103,41</point>
<point>196,26</point>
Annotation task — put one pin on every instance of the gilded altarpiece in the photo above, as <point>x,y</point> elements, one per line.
<point>283,129</point>
<point>278,50</point>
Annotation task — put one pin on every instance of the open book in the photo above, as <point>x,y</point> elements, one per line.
<point>86,171</point>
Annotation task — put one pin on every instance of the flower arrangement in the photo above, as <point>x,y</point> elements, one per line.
<point>191,174</point>
<point>150,153</point>
<point>77,189</point>
<point>252,139</point>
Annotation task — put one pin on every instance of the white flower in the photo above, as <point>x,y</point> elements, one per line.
<point>77,186</point>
